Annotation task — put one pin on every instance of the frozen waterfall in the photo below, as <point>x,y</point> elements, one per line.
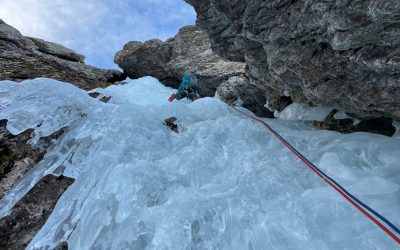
<point>224,182</point>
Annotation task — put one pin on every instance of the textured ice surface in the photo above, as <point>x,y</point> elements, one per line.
<point>223,183</point>
<point>341,115</point>
<point>397,133</point>
<point>299,111</point>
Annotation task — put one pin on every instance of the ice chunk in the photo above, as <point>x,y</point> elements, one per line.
<point>299,111</point>
<point>38,104</point>
<point>341,115</point>
<point>375,185</point>
<point>286,93</point>
<point>397,126</point>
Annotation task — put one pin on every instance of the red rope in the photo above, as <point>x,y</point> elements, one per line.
<point>369,216</point>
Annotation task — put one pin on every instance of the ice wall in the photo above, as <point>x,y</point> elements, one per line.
<point>222,183</point>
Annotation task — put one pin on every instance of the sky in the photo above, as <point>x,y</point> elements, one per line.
<point>97,28</point>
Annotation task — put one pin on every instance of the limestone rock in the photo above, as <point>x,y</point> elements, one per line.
<point>171,123</point>
<point>381,126</point>
<point>338,54</point>
<point>27,58</point>
<point>10,35</point>
<point>189,50</point>
<point>57,50</point>
<point>17,157</point>
<point>278,102</point>
<point>30,213</point>
<point>238,90</point>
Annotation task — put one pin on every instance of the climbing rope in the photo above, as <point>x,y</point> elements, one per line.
<point>362,207</point>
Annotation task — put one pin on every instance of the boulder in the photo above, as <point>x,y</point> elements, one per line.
<point>57,50</point>
<point>28,58</point>
<point>189,50</point>
<point>17,156</point>
<point>172,124</point>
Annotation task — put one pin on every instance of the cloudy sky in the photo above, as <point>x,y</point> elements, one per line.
<point>97,28</point>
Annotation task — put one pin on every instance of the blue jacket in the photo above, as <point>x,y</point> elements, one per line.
<point>185,81</point>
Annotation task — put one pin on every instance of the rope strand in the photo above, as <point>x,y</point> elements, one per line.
<point>331,182</point>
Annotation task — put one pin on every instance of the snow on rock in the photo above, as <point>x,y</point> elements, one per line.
<point>224,182</point>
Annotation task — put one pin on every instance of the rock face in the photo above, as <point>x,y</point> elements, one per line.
<point>30,214</point>
<point>17,157</point>
<point>339,54</point>
<point>381,126</point>
<point>189,50</point>
<point>238,90</point>
<point>27,58</point>
<point>57,50</point>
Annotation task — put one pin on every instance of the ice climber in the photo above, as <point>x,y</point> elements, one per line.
<point>188,88</point>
